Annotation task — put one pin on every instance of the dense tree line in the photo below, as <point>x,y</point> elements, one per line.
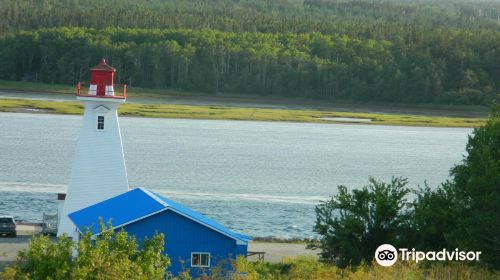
<point>361,17</point>
<point>443,66</point>
<point>384,50</point>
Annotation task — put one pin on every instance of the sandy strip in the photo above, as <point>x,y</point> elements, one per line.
<point>274,252</point>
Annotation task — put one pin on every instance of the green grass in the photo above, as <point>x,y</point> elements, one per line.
<point>236,113</point>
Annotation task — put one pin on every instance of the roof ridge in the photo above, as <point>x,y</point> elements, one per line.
<point>224,230</point>
<point>154,196</point>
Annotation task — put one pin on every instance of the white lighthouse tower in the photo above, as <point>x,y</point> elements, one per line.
<point>98,170</point>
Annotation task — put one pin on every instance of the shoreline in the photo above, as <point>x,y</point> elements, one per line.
<point>204,112</point>
<point>172,96</point>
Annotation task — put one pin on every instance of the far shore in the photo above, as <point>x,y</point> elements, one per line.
<point>43,91</point>
<point>241,114</point>
<point>22,97</point>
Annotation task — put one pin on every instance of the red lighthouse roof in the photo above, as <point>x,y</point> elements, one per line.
<point>103,66</point>
<point>102,83</point>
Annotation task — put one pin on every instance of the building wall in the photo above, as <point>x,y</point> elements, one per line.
<point>183,236</point>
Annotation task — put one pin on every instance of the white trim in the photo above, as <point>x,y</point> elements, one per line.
<point>153,196</point>
<point>202,223</point>
<point>168,207</point>
<point>101,109</point>
<point>127,223</point>
<point>97,98</point>
<point>93,90</point>
<point>238,241</point>
<point>110,91</point>
<point>200,253</point>
<point>97,122</point>
<point>241,242</point>
<point>76,240</point>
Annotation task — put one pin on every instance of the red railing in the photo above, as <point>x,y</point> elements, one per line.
<point>120,94</point>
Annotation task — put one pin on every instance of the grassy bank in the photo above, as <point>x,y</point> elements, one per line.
<point>463,110</point>
<point>308,268</point>
<point>236,113</point>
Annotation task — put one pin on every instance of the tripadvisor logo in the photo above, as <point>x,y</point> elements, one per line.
<point>387,255</point>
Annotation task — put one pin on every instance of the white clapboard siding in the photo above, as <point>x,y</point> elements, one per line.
<point>98,170</point>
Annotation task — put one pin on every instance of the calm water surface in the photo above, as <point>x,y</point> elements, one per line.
<point>259,178</point>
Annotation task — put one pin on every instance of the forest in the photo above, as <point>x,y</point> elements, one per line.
<point>444,52</point>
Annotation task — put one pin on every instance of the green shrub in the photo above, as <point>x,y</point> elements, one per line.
<point>432,219</point>
<point>476,187</point>
<point>110,255</point>
<point>351,225</point>
<point>462,213</point>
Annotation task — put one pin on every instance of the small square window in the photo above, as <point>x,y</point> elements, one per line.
<point>100,122</point>
<point>200,259</point>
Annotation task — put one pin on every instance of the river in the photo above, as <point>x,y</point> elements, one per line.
<point>258,178</point>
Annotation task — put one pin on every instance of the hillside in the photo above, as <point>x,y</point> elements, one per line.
<point>444,52</point>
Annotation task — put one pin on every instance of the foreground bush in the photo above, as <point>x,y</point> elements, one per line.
<point>476,187</point>
<point>432,219</point>
<point>353,224</point>
<point>461,213</point>
<point>111,255</point>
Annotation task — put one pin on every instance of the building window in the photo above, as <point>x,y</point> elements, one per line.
<point>100,122</point>
<point>200,259</point>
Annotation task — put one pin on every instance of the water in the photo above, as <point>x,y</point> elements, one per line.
<point>258,178</point>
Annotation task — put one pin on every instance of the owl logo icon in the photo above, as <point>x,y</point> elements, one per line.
<point>386,255</point>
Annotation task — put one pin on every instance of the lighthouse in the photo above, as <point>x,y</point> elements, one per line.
<point>98,171</point>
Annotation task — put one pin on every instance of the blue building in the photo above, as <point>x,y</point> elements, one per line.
<point>192,240</point>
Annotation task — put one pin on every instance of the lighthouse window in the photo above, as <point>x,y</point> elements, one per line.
<point>100,122</point>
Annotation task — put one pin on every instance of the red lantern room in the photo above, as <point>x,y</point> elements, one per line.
<point>101,82</point>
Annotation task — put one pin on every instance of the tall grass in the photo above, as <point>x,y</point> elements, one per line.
<point>308,268</point>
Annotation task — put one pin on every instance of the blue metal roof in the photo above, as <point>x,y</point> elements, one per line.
<point>193,215</point>
<point>135,205</point>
